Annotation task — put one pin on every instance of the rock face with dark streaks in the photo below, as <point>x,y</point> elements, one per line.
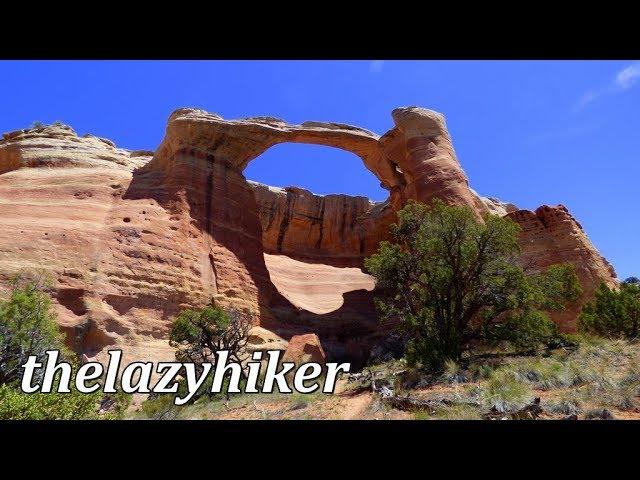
<point>130,238</point>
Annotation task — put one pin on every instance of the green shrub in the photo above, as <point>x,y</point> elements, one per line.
<point>457,412</point>
<point>545,373</point>
<point>481,371</point>
<point>16,405</point>
<point>160,407</point>
<point>27,327</point>
<point>421,415</point>
<point>613,312</point>
<point>198,334</point>
<point>525,330</point>
<point>505,391</point>
<point>452,279</point>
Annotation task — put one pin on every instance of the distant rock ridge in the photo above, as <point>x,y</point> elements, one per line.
<point>131,237</point>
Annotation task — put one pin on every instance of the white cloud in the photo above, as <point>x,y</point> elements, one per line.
<point>628,76</point>
<point>376,66</point>
<point>586,99</point>
<point>623,80</point>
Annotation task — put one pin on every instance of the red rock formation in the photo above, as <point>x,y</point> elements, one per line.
<point>551,235</point>
<point>333,229</point>
<point>62,213</point>
<point>421,147</point>
<point>304,349</point>
<point>129,240</point>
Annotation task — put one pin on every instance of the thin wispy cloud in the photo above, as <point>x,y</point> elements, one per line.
<point>376,66</point>
<point>627,77</point>
<point>573,131</point>
<point>623,80</point>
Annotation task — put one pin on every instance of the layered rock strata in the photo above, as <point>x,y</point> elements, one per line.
<point>130,238</point>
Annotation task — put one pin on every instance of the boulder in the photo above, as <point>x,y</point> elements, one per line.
<point>261,339</point>
<point>303,349</point>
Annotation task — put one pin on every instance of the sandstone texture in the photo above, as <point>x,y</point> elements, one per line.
<point>551,235</point>
<point>260,340</point>
<point>304,349</point>
<point>129,238</point>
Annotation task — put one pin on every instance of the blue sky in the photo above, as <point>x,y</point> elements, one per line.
<point>529,132</point>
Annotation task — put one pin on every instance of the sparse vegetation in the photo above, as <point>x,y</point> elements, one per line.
<point>241,406</point>
<point>198,334</point>
<point>16,405</point>
<point>600,375</point>
<point>457,412</point>
<point>505,390</point>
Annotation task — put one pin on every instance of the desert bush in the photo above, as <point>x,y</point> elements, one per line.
<point>544,373</point>
<point>198,334</point>
<point>564,407</point>
<point>599,414</point>
<point>422,415</point>
<point>632,376</point>
<point>610,394</point>
<point>613,312</point>
<point>16,405</point>
<point>504,391</point>
<point>454,373</point>
<point>481,371</point>
<point>160,407</point>
<point>452,412</point>
<point>458,412</point>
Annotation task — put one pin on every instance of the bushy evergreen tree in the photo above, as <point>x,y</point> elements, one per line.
<point>451,279</point>
<point>613,312</point>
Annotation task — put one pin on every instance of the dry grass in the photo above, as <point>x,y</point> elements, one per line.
<point>598,379</point>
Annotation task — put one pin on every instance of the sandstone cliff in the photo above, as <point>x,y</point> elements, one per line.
<point>551,235</point>
<point>130,238</point>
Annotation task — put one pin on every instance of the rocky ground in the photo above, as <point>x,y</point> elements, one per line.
<point>597,379</point>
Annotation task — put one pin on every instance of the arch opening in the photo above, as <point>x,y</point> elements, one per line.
<point>315,205</point>
<point>321,169</point>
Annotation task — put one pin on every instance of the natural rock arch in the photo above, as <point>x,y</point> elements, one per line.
<point>138,244</point>
<point>197,173</point>
<point>413,160</point>
<point>314,244</point>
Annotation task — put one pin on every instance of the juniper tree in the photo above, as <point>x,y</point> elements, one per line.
<point>613,312</point>
<point>451,279</point>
